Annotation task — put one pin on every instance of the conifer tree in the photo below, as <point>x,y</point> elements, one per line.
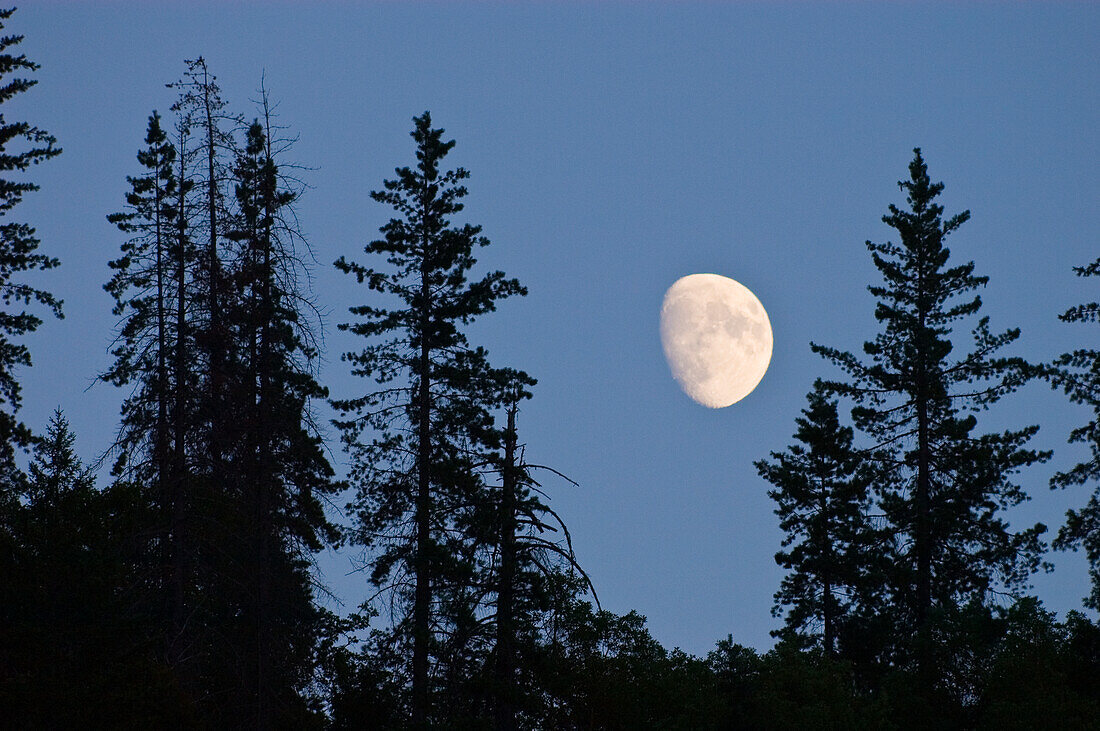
<point>1077,373</point>
<point>21,146</point>
<point>202,636</point>
<point>142,287</point>
<point>217,343</point>
<point>278,460</point>
<point>823,491</point>
<point>152,288</point>
<point>185,382</point>
<point>943,486</point>
<point>59,586</point>
<point>211,130</point>
<point>416,476</point>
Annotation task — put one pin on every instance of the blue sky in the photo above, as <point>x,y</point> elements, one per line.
<point>613,149</point>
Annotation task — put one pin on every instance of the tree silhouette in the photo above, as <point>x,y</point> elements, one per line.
<point>218,434</point>
<point>142,286</point>
<point>1077,373</point>
<point>943,487</point>
<point>417,475</point>
<point>281,474</point>
<point>21,145</point>
<point>823,490</point>
<point>533,569</point>
<point>211,128</point>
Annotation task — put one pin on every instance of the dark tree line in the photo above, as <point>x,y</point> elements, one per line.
<point>182,592</point>
<point>902,560</point>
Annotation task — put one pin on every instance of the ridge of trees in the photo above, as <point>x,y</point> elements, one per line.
<point>182,593</point>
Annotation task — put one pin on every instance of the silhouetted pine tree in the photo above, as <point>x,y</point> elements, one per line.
<point>823,491</point>
<point>21,145</point>
<point>1078,374</point>
<point>280,468</point>
<point>217,343</point>
<point>142,286</point>
<point>154,300</point>
<point>185,384</point>
<point>416,475</point>
<point>943,487</point>
<point>203,639</point>
<point>211,129</point>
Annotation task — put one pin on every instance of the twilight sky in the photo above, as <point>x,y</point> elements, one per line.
<point>615,147</point>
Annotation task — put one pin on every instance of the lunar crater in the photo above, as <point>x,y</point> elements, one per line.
<point>716,337</point>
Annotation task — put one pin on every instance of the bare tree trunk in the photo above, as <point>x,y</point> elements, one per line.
<point>505,706</point>
<point>215,334</point>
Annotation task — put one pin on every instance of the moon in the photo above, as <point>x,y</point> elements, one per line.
<point>717,338</point>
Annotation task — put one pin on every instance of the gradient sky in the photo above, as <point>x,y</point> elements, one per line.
<point>613,149</point>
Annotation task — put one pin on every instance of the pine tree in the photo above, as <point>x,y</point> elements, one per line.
<point>277,456</point>
<point>59,587</point>
<point>823,492</point>
<point>151,286</point>
<point>203,112</point>
<point>56,471</point>
<point>184,384</point>
<point>18,246</point>
<point>1078,374</point>
<point>21,145</point>
<point>944,487</point>
<point>218,434</point>
<point>202,639</point>
<point>416,475</point>
<point>142,287</point>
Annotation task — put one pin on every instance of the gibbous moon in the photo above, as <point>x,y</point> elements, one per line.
<point>717,338</point>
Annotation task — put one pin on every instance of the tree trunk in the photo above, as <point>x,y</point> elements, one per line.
<point>422,599</point>
<point>161,430</point>
<point>262,358</point>
<point>827,609</point>
<point>215,335</point>
<point>505,670</point>
<point>179,467</point>
<point>923,527</point>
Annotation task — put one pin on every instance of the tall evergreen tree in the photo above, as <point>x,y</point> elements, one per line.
<point>416,475</point>
<point>184,384</point>
<point>142,287</point>
<point>211,128</point>
<point>1077,373</point>
<point>823,491</point>
<point>151,286</point>
<point>63,609</point>
<point>280,466</point>
<point>21,145</point>
<point>944,486</point>
<point>202,636</point>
